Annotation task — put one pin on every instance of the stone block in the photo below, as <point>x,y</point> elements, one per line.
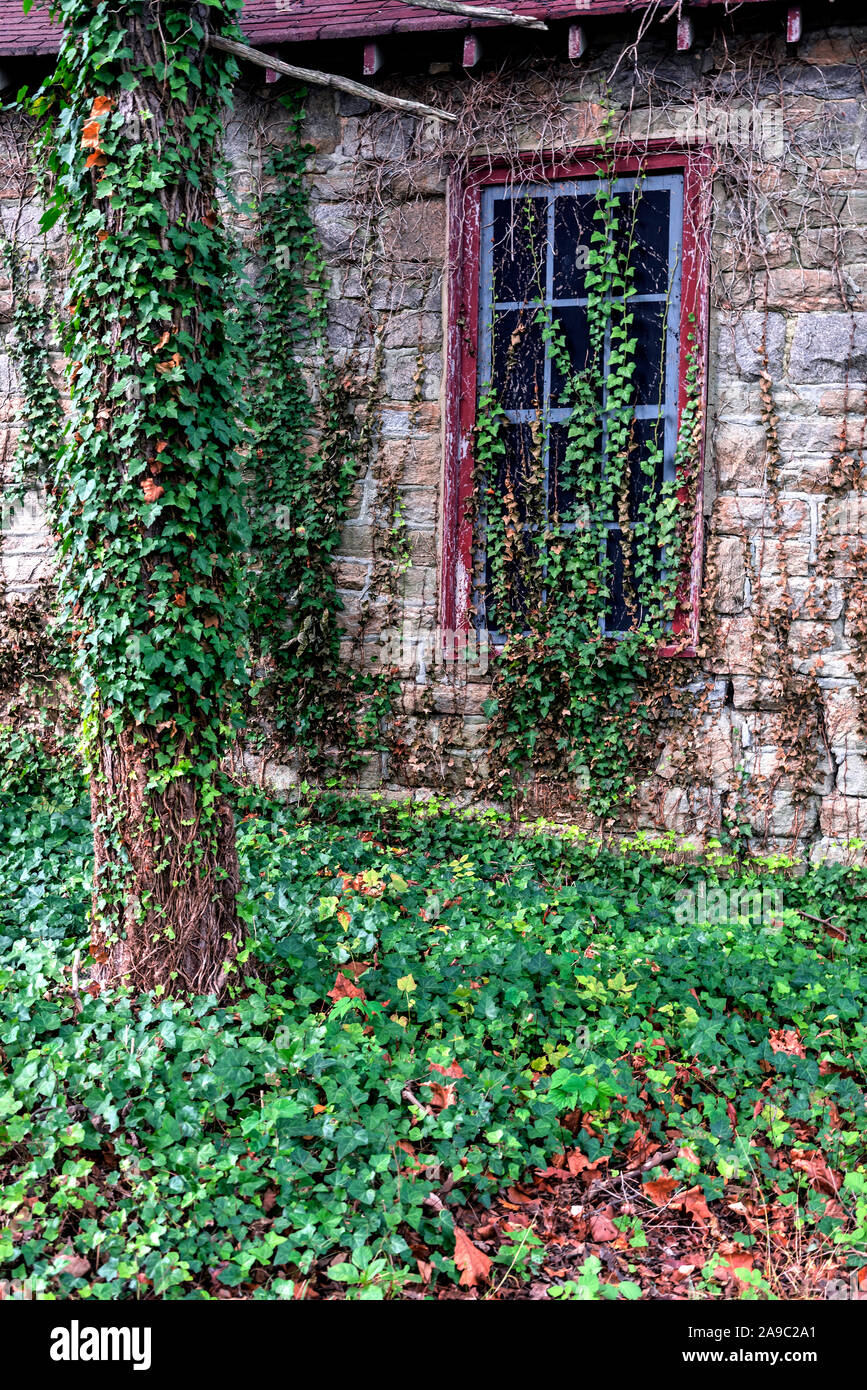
<point>829,348</point>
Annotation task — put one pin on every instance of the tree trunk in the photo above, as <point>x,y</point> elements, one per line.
<point>164,579</point>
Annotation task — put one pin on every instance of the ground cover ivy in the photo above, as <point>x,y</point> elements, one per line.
<point>441,1006</point>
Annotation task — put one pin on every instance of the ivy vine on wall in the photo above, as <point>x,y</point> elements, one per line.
<point>309,443</point>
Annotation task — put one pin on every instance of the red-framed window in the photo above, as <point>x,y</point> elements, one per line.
<point>515,244</point>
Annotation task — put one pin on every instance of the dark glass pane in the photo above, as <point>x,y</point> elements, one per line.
<point>519,359</point>
<point>562,493</point>
<point>520,472</point>
<point>573,325</point>
<point>510,604</point>
<point>647,445</point>
<point>573,223</point>
<point>561,497</point>
<point>647,329</point>
<point>520,249</point>
<point>623,611</point>
<point>645,217</point>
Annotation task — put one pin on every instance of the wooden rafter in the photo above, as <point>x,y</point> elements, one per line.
<point>326,79</point>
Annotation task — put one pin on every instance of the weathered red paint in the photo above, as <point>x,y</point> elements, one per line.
<point>307,21</point>
<point>462,338</point>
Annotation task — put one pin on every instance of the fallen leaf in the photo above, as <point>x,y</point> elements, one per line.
<point>602,1228</point>
<point>441,1097</point>
<point>345,989</point>
<point>659,1191</point>
<point>694,1202</point>
<point>740,1265</point>
<point>77,1266</point>
<point>787,1040</point>
<point>472,1262</point>
<point>152,491</point>
<point>453,1070</point>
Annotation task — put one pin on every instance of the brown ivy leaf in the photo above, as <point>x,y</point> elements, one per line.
<point>441,1097</point>
<point>90,135</point>
<point>345,989</point>
<point>659,1191</point>
<point>787,1040</point>
<point>694,1202</point>
<point>453,1070</point>
<point>472,1262</point>
<point>152,491</point>
<point>77,1266</point>
<point>739,1265</point>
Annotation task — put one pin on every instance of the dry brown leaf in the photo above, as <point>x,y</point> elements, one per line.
<point>576,1162</point>
<point>454,1070</point>
<point>740,1265</point>
<point>472,1262</point>
<point>441,1097</point>
<point>345,989</point>
<point>787,1040</point>
<point>694,1202</point>
<point>602,1228</point>
<point>659,1192</point>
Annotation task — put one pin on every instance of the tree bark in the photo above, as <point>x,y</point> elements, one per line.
<point>167,874</point>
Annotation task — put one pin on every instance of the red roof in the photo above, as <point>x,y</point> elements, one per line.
<point>294,21</point>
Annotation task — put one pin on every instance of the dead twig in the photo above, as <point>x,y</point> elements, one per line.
<point>326,79</point>
<point>493,12</point>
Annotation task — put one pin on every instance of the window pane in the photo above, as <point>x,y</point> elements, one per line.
<point>573,223</point>
<point>623,608</point>
<point>648,330</point>
<point>650,255</point>
<point>647,441</point>
<point>520,249</point>
<point>519,359</point>
<point>518,469</point>
<point>572,323</point>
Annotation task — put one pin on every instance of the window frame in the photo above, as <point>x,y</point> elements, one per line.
<point>464,343</point>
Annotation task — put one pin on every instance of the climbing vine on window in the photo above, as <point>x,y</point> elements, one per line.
<point>583,471</point>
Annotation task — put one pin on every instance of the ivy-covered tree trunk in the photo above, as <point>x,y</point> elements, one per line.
<point>150,524</point>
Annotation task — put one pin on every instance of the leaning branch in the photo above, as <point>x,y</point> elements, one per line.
<point>326,79</point>
<point>480,12</point>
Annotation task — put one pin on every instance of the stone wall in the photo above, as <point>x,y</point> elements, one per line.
<point>771,721</point>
